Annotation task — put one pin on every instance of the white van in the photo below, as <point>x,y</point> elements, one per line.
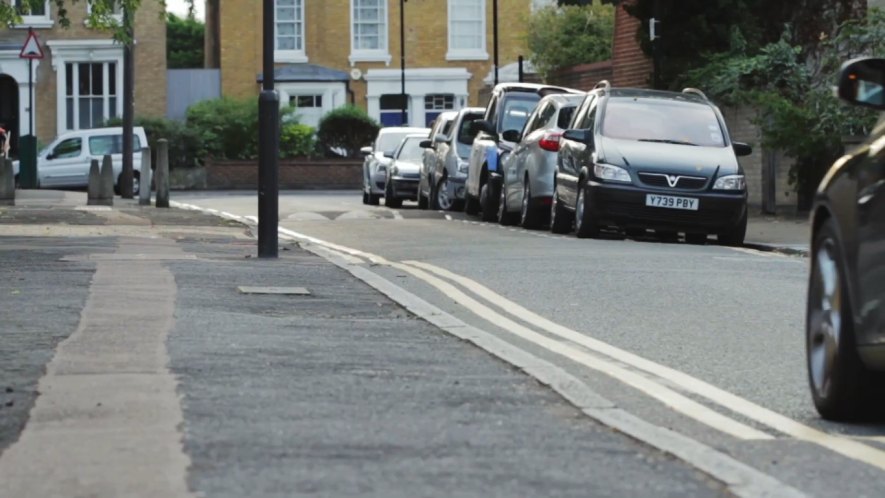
<point>66,160</point>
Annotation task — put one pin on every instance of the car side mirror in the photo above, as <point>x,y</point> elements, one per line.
<point>581,136</point>
<point>388,155</point>
<point>481,125</point>
<point>425,144</point>
<point>741,149</point>
<point>441,139</point>
<point>862,82</point>
<point>50,156</point>
<point>511,136</point>
<point>366,151</point>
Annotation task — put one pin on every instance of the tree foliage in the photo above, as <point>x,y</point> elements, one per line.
<point>101,14</point>
<point>790,85</point>
<point>568,35</point>
<point>184,42</point>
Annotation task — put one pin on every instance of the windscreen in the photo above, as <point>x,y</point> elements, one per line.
<point>388,142</point>
<point>565,116</point>
<point>411,150</point>
<point>466,135</point>
<point>516,110</point>
<point>663,121</point>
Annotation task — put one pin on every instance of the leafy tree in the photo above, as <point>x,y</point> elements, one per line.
<point>184,42</point>
<point>792,92</point>
<point>568,35</point>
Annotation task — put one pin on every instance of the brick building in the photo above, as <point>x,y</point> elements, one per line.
<point>332,52</point>
<point>78,83</point>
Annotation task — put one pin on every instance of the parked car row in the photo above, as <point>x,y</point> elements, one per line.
<point>636,159</point>
<point>608,159</point>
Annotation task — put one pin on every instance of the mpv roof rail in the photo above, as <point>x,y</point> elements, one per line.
<point>603,84</point>
<point>695,91</point>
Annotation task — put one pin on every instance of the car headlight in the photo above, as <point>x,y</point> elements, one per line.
<point>730,182</point>
<point>611,173</point>
<point>463,165</point>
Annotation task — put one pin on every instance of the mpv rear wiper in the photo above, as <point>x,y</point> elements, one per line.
<point>663,141</point>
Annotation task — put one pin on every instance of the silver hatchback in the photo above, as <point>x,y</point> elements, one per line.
<point>529,168</point>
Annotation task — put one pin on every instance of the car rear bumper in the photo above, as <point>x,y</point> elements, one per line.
<point>624,206</point>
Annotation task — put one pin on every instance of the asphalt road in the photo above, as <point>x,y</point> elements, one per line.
<point>704,340</point>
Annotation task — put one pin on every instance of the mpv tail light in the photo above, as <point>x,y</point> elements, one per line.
<point>550,141</point>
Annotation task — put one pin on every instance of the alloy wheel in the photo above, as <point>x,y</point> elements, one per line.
<point>825,325</point>
<point>524,211</point>
<point>443,201</point>
<point>579,210</point>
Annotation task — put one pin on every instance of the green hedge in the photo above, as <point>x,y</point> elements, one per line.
<point>347,128</point>
<point>186,148</point>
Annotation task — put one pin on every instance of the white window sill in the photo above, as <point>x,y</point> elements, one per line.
<point>287,56</point>
<point>472,55</point>
<point>36,23</point>
<point>373,56</point>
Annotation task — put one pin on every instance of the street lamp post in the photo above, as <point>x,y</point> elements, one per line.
<point>268,146</point>
<point>402,60</point>
<point>495,37</point>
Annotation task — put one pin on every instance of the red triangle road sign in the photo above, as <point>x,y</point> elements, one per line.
<point>31,49</point>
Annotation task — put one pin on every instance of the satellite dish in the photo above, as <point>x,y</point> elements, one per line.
<point>355,73</point>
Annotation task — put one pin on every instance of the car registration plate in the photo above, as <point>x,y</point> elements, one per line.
<point>672,202</point>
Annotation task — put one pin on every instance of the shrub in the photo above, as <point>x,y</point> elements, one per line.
<point>185,145</point>
<point>296,140</point>
<point>229,128</point>
<point>347,128</point>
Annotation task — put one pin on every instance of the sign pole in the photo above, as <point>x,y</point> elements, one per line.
<point>30,96</point>
<point>27,144</point>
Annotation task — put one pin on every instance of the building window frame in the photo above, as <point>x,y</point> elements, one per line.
<point>36,21</point>
<point>299,53</point>
<point>117,15</point>
<point>382,52</point>
<point>466,54</point>
<point>83,51</point>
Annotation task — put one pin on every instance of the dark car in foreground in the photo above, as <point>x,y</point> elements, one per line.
<point>845,320</point>
<point>637,159</point>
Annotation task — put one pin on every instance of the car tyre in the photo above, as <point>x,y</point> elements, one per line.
<point>840,383</point>
<point>528,215</point>
<point>136,184</point>
<point>488,198</point>
<point>471,205</point>
<point>505,217</point>
<point>441,199</point>
<point>560,217</point>
<point>374,199</point>
<point>390,199</point>
<point>365,198</point>
<point>422,199</point>
<point>585,226</point>
<point>734,236</point>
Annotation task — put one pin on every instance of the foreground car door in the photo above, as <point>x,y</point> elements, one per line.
<point>65,166</point>
<point>871,243</point>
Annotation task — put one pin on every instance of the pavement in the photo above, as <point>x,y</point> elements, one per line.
<point>133,362</point>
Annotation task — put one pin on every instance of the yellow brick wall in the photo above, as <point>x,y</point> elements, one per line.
<point>328,41</point>
<point>150,63</point>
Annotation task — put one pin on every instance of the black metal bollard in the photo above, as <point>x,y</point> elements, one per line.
<point>7,184</point>
<point>93,190</point>
<point>162,173</point>
<point>106,186</point>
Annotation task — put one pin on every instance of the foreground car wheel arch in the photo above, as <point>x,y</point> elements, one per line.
<point>840,383</point>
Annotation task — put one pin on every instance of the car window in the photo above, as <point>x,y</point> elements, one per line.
<point>589,119</point>
<point>579,113</point>
<point>546,114</point>
<point>447,127</point>
<point>516,112</point>
<point>410,150</point>
<point>565,116</point>
<point>68,148</point>
<point>534,120</point>
<point>466,135</point>
<point>100,145</point>
<point>389,141</point>
<point>659,120</point>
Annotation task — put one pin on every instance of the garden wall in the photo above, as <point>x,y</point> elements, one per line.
<point>294,174</point>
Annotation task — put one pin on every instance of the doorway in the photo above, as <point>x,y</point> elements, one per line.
<point>9,118</point>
